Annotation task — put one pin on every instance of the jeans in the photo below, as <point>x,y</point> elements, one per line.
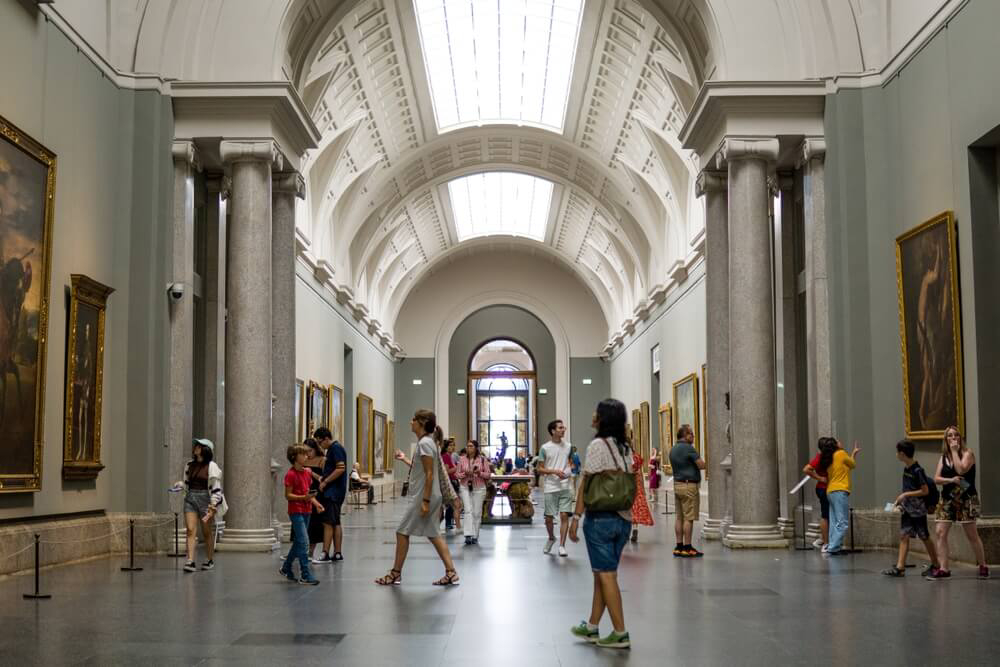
<point>839,513</point>
<point>472,517</point>
<point>606,534</point>
<point>300,545</point>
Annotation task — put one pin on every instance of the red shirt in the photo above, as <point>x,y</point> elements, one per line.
<point>822,473</point>
<point>298,481</point>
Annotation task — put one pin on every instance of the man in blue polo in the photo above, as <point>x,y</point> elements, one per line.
<point>333,491</point>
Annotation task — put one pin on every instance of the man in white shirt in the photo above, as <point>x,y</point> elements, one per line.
<point>555,467</point>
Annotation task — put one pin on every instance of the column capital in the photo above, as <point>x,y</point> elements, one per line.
<point>290,182</point>
<point>812,148</point>
<point>251,150</point>
<point>737,148</point>
<point>184,150</point>
<point>710,180</point>
<point>219,184</point>
<point>779,182</point>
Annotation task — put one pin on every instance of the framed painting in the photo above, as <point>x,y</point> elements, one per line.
<point>317,407</point>
<point>27,197</point>
<point>300,399</point>
<point>930,328</point>
<point>390,448</point>
<point>366,408</point>
<point>84,378</point>
<point>337,413</point>
<point>637,430</point>
<point>665,416</point>
<point>380,423</point>
<point>647,445</point>
<point>686,405</point>
<point>704,418</point>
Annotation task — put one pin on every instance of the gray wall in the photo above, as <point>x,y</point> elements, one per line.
<point>898,155</point>
<point>410,398</point>
<point>112,209</point>
<point>585,397</point>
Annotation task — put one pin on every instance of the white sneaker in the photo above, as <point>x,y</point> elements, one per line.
<point>818,542</point>
<point>825,548</point>
<point>548,546</point>
<point>562,551</point>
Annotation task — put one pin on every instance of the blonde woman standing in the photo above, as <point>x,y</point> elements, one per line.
<point>956,472</point>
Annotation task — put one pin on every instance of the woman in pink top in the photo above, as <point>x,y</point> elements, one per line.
<point>473,472</point>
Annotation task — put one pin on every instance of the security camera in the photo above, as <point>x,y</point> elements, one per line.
<point>176,291</point>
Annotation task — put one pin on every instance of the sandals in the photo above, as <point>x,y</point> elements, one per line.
<point>894,572</point>
<point>394,578</point>
<point>450,578</point>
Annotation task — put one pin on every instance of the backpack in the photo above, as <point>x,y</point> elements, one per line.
<point>933,496</point>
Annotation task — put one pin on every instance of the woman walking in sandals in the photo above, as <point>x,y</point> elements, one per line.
<point>423,517</point>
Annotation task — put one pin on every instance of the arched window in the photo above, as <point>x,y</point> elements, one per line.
<point>502,388</point>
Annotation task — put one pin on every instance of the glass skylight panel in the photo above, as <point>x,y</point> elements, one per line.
<point>499,202</point>
<point>499,61</point>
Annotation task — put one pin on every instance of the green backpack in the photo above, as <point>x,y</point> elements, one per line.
<point>609,490</point>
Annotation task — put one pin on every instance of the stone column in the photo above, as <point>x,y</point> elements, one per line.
<point>817,298</point>
<point>751,346</point>
<point>180,346</point>
<point>285,188</point>
<point>248,347</point>
<point>712,184</point>
<point>214,290</point>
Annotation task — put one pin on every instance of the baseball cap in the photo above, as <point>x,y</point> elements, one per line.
<point>204,442</point>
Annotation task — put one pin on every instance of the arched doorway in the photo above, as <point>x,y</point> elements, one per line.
<point>502,393</point>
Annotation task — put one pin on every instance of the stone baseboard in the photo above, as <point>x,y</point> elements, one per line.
<point>260,540</point>
<point>711,530</point>
<point>747,536</point>
<point>878,529</point>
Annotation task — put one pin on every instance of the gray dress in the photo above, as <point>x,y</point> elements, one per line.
<point>412,523</point>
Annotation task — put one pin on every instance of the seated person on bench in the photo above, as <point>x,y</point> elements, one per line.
<point>359,484</point>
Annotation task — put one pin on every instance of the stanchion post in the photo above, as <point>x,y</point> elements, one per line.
<point>36,595</point>
<point>802,507</point>
<point>177,547</point>
<point>131,548</point>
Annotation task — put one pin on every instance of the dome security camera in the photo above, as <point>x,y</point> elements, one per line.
<point>176,291</point>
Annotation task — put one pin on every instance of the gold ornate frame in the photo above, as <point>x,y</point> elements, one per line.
<point>704,418</point>
<point>20,482</point>
<point>637,430</point>
<point>390,446</point>
<point>365,450</point>
<point>376,416</point>
<point>665,415</point>
<point>335,394</point>
<point>88,292</point>
<point>647,446</point>
<point>300,418</point>
<point>693,377</point>
<point>946,218</point>
<point>311,423</point>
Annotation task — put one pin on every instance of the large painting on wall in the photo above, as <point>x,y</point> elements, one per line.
<point>666,424</point>
<point>686,405</point>
<point>637,430</point>
<point>317,407</point>
<point>84,378</point>
<point>930,328</point>
<point>704,415</point>
<point>27,196</point>
<point>644,433</point>
<point>337,413</point>
<point>364,430</point>
<point>390,448</point>
<point>379,432</point>
<point>300,399</point>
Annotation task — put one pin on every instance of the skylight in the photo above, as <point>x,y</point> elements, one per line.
<point>498,202</point>
<point>506,61</point>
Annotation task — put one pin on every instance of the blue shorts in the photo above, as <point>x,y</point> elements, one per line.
<point>606,534</point>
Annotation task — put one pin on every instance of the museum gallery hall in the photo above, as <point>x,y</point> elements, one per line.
<point>482,332</point>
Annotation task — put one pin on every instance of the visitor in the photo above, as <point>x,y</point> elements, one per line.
<point>315,462</point>
<point>333,492</point>
<point>554,466</point>
<point>359,483</point>
<point>687,465</point>
<point>654,473</point>
<point>838,492</point>
<point>424,494</point>
<point>605,532</point>
<point>816,468</point>
<point>575,468</point>
<point>912,502</point>
<point>203,501</point>
<point>474,472</point>
<point>301,501</point>
<point>448,457</point>
<point>641,516</point>
<point>956,472</point>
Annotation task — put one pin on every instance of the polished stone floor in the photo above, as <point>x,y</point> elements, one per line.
<point>514,607</point>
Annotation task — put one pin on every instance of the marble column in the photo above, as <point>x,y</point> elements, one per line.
<point>286,187</point>
<point>248,346</point>
<point>214,290</point>
<point>712,184</point>
<point>751,346</point>
<point>817,297</point>
<point>180,346</point>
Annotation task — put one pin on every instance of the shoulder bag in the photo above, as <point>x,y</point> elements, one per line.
<point>609,490</point>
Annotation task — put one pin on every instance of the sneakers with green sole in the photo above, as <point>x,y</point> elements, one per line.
<point>584,632</point>
<point>614,640</point>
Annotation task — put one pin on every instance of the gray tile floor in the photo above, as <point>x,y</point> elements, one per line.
<point>514,607</point>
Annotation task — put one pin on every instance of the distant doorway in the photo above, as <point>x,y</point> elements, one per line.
<point>502,402</point>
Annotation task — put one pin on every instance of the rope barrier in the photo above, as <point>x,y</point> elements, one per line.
<point>107,535</point>
<point>16,553</point>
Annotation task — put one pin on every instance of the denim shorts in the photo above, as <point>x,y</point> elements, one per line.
<point>196,502</point>
<point>606,534</point>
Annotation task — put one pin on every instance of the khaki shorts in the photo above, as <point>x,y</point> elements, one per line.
<point>687,500</point>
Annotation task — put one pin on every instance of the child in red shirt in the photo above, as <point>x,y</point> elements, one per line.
<point>300,504</point>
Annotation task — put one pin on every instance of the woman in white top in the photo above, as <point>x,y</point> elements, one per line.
<point>474,472</point>
<point>606,533</point>
<point>203,500</point>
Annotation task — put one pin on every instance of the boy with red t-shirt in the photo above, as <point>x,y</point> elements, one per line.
<point>300,504</point>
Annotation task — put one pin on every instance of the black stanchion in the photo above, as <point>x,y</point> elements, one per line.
<point>853,549</point>
<point>177,549</point>
<point>802,506</point>
<point>131,548</point>
<point>36,595</point>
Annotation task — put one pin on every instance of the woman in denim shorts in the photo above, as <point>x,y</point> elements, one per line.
<point>606,533</point>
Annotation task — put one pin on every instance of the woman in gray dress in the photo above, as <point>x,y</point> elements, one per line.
<point>423,515</point>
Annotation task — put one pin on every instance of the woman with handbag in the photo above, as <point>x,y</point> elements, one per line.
<point>474,472</point>
<point>607,492</point>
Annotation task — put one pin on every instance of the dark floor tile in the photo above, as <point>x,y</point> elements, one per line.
<point>283,638</point>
